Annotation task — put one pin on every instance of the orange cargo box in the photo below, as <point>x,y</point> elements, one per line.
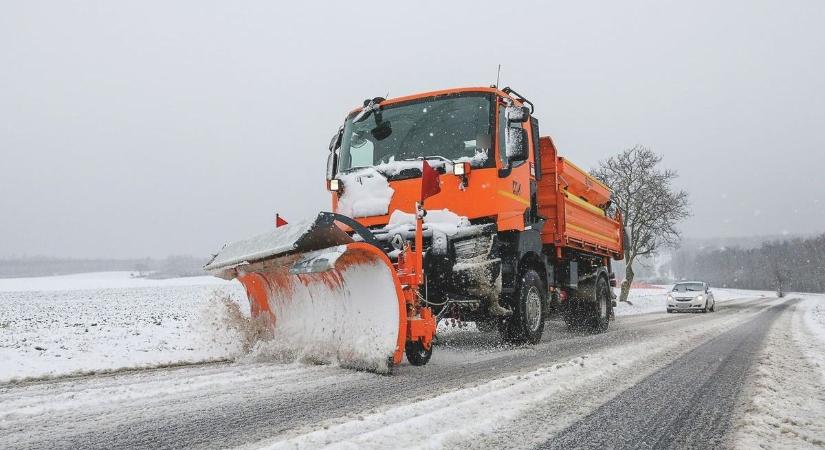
<point>578,182</point>
<point>572,201</point>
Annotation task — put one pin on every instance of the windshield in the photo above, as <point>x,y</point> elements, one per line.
<point>689,287</point>
<point>454,127</point>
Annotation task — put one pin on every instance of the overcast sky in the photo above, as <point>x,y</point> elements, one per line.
<point>154,128</point>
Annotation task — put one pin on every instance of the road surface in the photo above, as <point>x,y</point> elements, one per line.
<point>651,381</point>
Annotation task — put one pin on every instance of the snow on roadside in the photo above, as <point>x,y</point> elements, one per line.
<point>785,404</point>
<point>69,327</point>
<point>814,322</point>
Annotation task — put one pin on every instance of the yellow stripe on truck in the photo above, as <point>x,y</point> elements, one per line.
<point>591,233</point>
<point>583,203</point>
<point>515,197</point>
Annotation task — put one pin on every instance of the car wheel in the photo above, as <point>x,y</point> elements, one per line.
<point>705,309</point>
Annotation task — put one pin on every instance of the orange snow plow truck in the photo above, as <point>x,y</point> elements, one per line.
<point>446,204</point>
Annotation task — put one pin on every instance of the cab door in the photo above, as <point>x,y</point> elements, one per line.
<point>516,182</point>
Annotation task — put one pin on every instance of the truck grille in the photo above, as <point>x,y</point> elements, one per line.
<point>473,248</point>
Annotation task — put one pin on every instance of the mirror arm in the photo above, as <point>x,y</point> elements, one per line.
<point>508,90</point>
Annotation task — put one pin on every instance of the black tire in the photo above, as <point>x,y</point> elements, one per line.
<point>603,306</point>
<point>417,355</point>
<point>669,311</point>
<point>713,306</point>
<point>705,309</point>
<point>590,309</point>
<point>526,325</point>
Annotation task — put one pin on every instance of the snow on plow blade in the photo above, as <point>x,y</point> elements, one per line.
<point>325,297</point>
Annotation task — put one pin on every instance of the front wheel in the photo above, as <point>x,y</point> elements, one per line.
<point>417,355</point>
<point>526,325</point>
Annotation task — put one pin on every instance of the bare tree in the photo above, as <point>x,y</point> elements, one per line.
<point>650,205</point>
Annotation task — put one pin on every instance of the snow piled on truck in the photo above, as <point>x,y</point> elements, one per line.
<point>442,220</point>
<point>366,193</point>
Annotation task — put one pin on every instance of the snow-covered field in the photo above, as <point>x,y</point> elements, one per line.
<point>63,325</point>
<point>52,326</point>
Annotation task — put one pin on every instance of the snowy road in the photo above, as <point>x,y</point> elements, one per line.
<point>474,393</point>
<point>687,404</point>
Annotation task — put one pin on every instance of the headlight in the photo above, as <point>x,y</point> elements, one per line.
<point>669,297</point>
<point>460,169</point>
<point>700,297</point>
<point>334,185</point>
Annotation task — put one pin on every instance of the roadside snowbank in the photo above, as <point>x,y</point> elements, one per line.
<point>785,404</point>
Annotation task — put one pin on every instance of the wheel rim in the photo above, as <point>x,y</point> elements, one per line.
<point>602,302</point>
<point>533,309</point>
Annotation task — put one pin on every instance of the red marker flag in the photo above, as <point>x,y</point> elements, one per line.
<point>278,221</point>
<point>430,183</point>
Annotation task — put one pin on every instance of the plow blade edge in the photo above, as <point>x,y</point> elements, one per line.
<point>323,296</point>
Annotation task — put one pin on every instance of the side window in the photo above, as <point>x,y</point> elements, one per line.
<point>361,155</point>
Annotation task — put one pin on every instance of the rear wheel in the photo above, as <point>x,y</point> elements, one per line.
<point>591,307</point>
<point>526,325</point>
<point>417,355</point>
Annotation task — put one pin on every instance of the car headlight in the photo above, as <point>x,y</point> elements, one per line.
<point>669,297</point>
<point>700,297</point>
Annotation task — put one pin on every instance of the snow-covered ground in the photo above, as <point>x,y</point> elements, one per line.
<point>785,407</point>
<point>51,326</point>
<point>62,325</point>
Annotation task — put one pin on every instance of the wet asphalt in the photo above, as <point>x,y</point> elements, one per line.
<point>687,404</point>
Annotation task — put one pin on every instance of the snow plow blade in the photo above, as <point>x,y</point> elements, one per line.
<point>324,297</point>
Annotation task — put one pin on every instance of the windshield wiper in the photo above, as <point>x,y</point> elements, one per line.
<point>422,158</point>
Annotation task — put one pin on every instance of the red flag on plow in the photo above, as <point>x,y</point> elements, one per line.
<point>430,182</point>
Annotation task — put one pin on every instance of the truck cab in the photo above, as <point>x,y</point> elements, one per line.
<point>484,235</point>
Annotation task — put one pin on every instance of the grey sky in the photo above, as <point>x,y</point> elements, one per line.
<point>150,128</point>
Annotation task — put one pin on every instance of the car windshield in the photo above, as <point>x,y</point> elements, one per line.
<point>689,287</point>
<point>455,127</point>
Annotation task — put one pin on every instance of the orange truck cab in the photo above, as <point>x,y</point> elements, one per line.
<point>515,232</point>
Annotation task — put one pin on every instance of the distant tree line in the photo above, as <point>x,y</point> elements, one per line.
<point>169,267</point>
<point>790,265</point>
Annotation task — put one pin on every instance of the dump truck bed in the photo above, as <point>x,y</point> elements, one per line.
<point>573,201</point>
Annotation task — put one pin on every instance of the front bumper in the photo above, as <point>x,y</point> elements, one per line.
<point>685,305</point>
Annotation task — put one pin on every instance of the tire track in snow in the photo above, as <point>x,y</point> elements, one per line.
<point>687,404</point>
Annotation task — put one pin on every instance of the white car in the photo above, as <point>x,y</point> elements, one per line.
<point>691,296</point>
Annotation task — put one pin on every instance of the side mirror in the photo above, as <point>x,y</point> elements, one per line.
<point>515,144</point>
<point>335,142</point>
<point>331,165</point>
<point>332,159</point>
<point>516,114</point>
